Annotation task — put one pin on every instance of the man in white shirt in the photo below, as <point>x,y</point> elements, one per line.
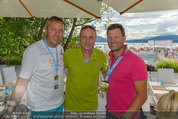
<point>42,73</point>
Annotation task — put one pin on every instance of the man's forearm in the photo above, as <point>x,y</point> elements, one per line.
<point>134,107</point>
<point>139,100</point>
<point>13,102</point>
<point>17,94</point>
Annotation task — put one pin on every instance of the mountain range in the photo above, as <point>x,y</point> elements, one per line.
<point>174,38</point>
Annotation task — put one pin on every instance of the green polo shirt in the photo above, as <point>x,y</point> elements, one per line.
<point>82,79</point>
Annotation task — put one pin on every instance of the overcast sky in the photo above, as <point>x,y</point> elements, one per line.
<point>140,25</point>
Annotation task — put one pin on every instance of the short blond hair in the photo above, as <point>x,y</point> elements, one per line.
<point>168,105</point>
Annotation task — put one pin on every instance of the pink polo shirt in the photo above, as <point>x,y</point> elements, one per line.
<point>121,89</point>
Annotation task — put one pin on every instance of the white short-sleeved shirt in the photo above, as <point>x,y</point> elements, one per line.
<point>38,67</point>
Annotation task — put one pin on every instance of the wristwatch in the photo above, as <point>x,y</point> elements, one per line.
<point>122,117</point>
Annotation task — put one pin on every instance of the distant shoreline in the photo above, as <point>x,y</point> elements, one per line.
<point>160,56</point>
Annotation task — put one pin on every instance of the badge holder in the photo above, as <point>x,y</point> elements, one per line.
<point>56,79</point>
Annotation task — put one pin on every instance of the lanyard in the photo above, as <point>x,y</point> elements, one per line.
<point>110,69</point>
<point>55,61</point>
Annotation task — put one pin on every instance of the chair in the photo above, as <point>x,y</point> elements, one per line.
<point>1,82</point>
<point>166,75</point>
<point>9,74</point>
<point>152,76</point>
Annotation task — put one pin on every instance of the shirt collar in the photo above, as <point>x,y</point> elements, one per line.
<point>93,55</point>
<point>111,54</point>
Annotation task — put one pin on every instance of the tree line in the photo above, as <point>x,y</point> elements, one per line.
<point>16,34</point>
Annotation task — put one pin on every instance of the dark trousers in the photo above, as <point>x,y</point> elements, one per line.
<point>111,116</point>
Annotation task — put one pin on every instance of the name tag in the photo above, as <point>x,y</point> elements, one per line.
<point>56,79</point>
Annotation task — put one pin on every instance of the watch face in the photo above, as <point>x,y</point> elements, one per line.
<point>122,117</point>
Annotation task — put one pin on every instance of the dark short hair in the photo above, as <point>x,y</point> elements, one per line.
<point>114,26</point>
<point>53,18</point>
<point>88,26</point>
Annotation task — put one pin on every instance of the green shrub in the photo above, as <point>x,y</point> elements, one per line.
<point>175,64</point>
<point>13,60</point>
<point>167,64</point>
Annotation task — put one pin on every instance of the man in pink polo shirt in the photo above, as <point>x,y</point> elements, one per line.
<point>127,78</point>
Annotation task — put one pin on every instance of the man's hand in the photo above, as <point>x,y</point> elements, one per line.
<point>17,94</point>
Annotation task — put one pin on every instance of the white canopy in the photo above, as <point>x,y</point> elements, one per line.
<point>79,8</point>
<point>133,6</point>
<point>47,8</point>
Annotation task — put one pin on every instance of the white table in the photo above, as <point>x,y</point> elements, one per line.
<point>153,92</point>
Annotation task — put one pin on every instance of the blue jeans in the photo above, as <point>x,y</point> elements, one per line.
<point>49,114</point>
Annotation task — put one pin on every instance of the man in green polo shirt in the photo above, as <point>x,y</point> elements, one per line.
<point>84,65</point>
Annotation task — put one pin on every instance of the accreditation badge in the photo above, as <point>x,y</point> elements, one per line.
<point>56,79</point>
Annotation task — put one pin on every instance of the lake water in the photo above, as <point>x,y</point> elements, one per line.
<point>151,60</point>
